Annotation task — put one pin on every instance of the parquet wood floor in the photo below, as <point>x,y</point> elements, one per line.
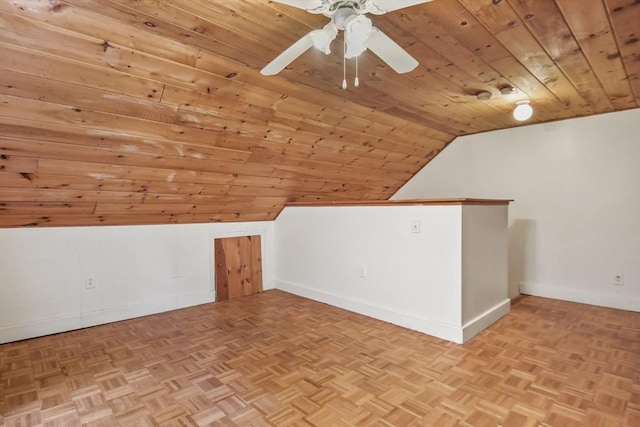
<point>275,359</point>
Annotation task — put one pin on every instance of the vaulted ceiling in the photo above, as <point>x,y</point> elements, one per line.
<point>152,111</point>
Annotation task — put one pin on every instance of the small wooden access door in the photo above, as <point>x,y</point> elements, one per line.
<point>238,267</point>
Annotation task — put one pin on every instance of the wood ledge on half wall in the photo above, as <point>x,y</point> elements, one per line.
<point>409,202</point>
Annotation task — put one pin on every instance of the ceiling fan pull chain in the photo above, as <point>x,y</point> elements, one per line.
<point>344,65</point>
<point>356,82</point>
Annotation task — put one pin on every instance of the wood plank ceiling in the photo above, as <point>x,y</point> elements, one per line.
<point>152,111</point>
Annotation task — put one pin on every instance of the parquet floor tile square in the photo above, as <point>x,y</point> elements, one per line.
<point>275,359</point>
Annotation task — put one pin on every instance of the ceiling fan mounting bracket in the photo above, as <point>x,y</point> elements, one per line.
<point>342,14</point>
<point>341,4</point>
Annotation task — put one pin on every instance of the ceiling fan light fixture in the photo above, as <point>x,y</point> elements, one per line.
<point>322,38</point>
<point>361,35</point>
<point>523,110</point>
<point>357,31</point>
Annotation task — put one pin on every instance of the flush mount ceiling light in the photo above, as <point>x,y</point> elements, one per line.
<point>523,111</point>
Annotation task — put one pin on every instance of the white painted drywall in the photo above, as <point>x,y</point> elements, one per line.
<point>484,261</point>
<point>575,220</point>
<point>411,279</point>
<point>138,270</point>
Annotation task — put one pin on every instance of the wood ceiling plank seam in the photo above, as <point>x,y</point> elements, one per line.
<point>450,19</point>
<point>201,33</point>
<point>297,93</point>
<point>71,220</point>
<point>502,20</point>
<point>285,171</point>
<point>191,100</point>
<point>469,30</point>
<point>365,144</point>
<point>53,67</point>
<point>344,131</point>
<point>255,16</point>
<point>27,129</point>
<point>503,64</point>
<point>46,112</point>
<point>546,108</point>
<point>546,23</point>
<point>365,150</point>
<point>346,175</point>
<point>296,195</point>
<point>352,171</point>
<point>624,18</point>
<point>471,108</point>
<point>314,161</point>
<point>10,194</point>
<point>108,171</point>
<point>441,76</point>
<point>76,46</point>
<point>324,115</point>
<point>378,117</point>
<point>437,39</point>
<point>306,20</point>
<point>74,96</point>
<point>22,165</point>
<point>24,147</point>
<point>74,18</point>
<point>547,72</point>
<point>105,171</point>
<point>500,115</point>
<point>197,36</point>
<point>34,208</point>
<point>159,209</point>
<point>284,136</point>
<point>557,80</point>
<point>84,183</point>
<point>600,46</point>
<point>193,164</point>
<point>198,104</point>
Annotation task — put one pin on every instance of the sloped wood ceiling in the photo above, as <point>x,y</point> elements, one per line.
<point>150,111</point>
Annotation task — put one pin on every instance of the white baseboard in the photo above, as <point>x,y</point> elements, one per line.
<point>486,319</point>
<point>446,331</point>
<point>38,328</point>
<point>620,302</point>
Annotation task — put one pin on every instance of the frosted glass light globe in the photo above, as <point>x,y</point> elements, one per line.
<point>523,111</point>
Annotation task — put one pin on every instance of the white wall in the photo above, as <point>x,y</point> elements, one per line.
<point>484,259</point>
<point>138,270</point>
<point>411,279</point>
<point>575,219</point>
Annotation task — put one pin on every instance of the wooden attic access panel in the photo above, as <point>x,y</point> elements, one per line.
<point>238,262</point>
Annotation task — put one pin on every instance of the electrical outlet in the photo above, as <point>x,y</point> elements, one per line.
<point>618,280</point>
<point>89,282</point>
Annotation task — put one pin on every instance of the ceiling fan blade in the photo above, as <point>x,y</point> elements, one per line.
<point>390,52</point>
<point>313,6</point>
<point>289,55</point>
<point>378,7</point>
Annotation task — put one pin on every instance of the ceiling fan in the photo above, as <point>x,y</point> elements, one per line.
<point>359,33</point>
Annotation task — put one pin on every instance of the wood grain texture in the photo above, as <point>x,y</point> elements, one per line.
<point>274,359</point>
<point>238,266</point>
<point>161,98</point>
